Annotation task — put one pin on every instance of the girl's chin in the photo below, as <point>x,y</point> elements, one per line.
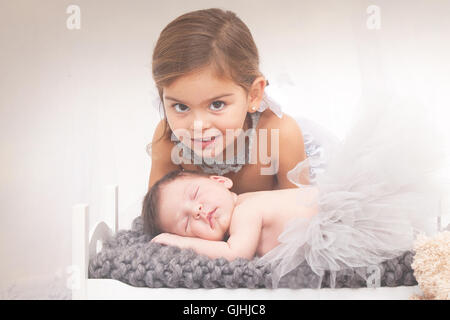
<point>216,152</point>
<point>210,153</point>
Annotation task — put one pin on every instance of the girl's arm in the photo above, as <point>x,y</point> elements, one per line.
<point>161,155</point>
<point>290,152</point>
<point>243,241</point>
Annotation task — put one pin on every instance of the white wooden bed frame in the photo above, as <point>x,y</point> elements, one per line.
<point>86,242</point>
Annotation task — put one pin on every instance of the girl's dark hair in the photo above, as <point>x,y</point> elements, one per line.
<point>211,37</point>
<point>150,206</point>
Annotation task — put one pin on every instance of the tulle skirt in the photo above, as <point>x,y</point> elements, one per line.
<point>378,189</point>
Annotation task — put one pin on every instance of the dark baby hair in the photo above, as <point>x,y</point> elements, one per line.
<point>150,206</point>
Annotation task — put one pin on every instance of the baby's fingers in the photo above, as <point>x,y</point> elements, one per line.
<point>160,238</point>
<point>156,240</point>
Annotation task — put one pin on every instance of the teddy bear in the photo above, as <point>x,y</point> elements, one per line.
<point>431,265</point>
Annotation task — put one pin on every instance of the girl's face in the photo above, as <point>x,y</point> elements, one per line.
<point>198,207</point>
<point>202,106</point>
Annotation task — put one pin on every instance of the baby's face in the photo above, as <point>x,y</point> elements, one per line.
<point>197,207</point>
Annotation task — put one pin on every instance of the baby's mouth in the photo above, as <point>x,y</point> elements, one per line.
<point>209,217</point>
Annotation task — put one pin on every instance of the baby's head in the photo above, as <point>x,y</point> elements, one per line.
<point>206,68</point>
<point>191,204</point>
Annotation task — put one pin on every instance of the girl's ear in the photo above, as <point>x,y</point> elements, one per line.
<point>256,94</point>
<point>227,182</point>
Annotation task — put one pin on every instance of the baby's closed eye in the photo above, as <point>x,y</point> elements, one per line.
<point>186,224</point>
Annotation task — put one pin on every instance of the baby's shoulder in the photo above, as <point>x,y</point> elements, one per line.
<point>250,206</point>
<point>246,209</point>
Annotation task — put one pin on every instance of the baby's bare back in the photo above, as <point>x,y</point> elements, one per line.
<point>277,208</point>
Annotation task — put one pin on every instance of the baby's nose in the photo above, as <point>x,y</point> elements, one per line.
<point>199,212</point>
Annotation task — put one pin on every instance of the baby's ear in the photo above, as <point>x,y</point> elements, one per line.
<point>227,182</point>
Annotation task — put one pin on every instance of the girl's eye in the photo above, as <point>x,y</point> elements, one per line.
<point>180,107</point>
<point>217,105</point>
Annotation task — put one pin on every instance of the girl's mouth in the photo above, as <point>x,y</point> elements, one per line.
<point>204,143</point>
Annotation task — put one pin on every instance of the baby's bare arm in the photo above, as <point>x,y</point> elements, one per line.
<point>242,243</point>
<point>245,230</point>
<point>210,248</point>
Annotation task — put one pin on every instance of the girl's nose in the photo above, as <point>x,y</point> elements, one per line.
<point>200,124</point>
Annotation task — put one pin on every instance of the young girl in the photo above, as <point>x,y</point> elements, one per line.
<point>379,189</point>
<point>206,69</point>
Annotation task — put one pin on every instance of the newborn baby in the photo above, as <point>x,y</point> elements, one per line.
<point>196,210</point>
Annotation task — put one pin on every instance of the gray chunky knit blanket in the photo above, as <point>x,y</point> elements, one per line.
<point>130,257</point>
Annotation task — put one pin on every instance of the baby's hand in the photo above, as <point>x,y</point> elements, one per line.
<point>167,239</point>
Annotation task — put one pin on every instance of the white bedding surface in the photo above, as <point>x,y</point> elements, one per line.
<point>113,289</point>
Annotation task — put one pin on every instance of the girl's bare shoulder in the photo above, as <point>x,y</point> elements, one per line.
<point>286,123</point>
<point>288,130</point>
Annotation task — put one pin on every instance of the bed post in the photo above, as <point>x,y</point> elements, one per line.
<point>80,250</point>
<point>112,206</point>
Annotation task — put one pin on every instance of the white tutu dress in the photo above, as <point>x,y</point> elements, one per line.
<point>377,191</point>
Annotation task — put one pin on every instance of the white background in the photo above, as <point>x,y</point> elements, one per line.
<point>76,105</point>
